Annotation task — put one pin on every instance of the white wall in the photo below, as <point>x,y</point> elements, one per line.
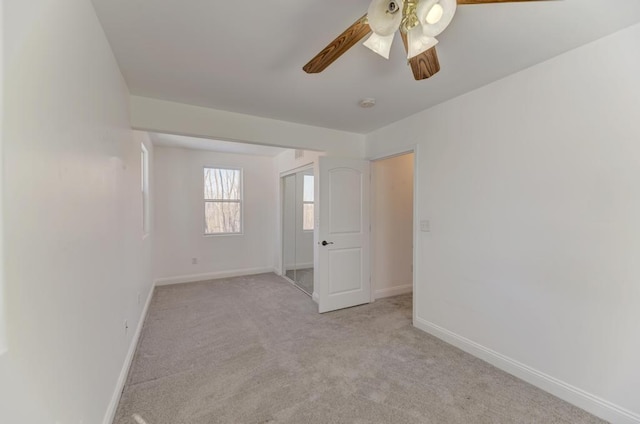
<point>392,225</point>
<point>176,118</point>
<point>75,261</point>
<point>3,334</point>
<point>179,207</point>
<point>532,188</point>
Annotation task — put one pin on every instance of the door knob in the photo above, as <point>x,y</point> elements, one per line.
<point>324,242</point>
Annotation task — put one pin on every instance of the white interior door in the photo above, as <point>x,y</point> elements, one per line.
<point>342,270</point>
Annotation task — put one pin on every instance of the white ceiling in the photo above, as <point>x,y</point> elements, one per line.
<point>169,140</point>
<point>246,56</point>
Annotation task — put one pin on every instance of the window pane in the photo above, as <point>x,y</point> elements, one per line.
<point>307,195</point>
<point>221,184</point>
<point>221,217</point>
<point>307,216</point>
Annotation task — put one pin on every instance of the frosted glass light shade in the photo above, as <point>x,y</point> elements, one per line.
<point>418,42</point>
<point>435,14</point>
<point>380,44</point>
<point>381,21</point>
<point>428,14</point>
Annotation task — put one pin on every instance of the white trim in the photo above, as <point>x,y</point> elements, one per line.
<point>122,379</point>
<point>316,297</point>
<point>297,169</point>
<point>394,153</point>
<point>578,397</point>
<point>180,279</point>
<point>416,228</point>
<point>394,291</point>
<point>280,230</point>
<point>146,203</point>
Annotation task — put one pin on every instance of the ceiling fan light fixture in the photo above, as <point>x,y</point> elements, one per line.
<point>380,44</point>
<point>435,15</point>
<point>418,42</point>
<point>385,16</point>
<point>420,22</point>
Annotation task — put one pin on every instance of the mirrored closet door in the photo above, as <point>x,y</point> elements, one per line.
<point>297,228</point>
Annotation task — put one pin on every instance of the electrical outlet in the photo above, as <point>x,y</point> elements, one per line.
<point>194,261</point>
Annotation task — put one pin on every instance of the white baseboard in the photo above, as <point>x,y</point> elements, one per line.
<point>393,291</point>
<point>211,276</point>
<point>578,397</point>
<point>122,379</point>
<point>316,297</point>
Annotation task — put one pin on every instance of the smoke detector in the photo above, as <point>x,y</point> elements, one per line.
<point>367,103</point>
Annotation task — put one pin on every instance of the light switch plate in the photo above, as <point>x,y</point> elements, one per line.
<point>425,226</point>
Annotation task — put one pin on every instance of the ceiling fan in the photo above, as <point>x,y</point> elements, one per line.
<point>419,22</point>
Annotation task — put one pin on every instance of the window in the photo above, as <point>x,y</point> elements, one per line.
<point>222,201</point>
<point>307,203</point>
<point>144,182</point>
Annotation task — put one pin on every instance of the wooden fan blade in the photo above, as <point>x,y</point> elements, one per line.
<point>339,46</point>
<point>492,1</point>
<point>424,65</point>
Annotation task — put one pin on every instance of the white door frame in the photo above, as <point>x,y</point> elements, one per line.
<point>283,174</point>
<point>416,246</point>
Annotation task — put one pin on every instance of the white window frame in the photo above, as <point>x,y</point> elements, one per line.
<point>240,201</point>
<point>144,182</point>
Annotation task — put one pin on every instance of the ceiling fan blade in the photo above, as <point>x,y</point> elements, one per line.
<point>339,46</point>
<point>492,1</point>
<point>424,65</point>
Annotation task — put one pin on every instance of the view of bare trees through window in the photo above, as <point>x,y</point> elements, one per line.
<point>307,203</point>
<point>222,201</point>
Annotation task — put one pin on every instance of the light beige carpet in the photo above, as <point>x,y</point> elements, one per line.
<point>255,350</point>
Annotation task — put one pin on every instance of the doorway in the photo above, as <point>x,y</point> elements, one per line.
<point>392,225</point>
